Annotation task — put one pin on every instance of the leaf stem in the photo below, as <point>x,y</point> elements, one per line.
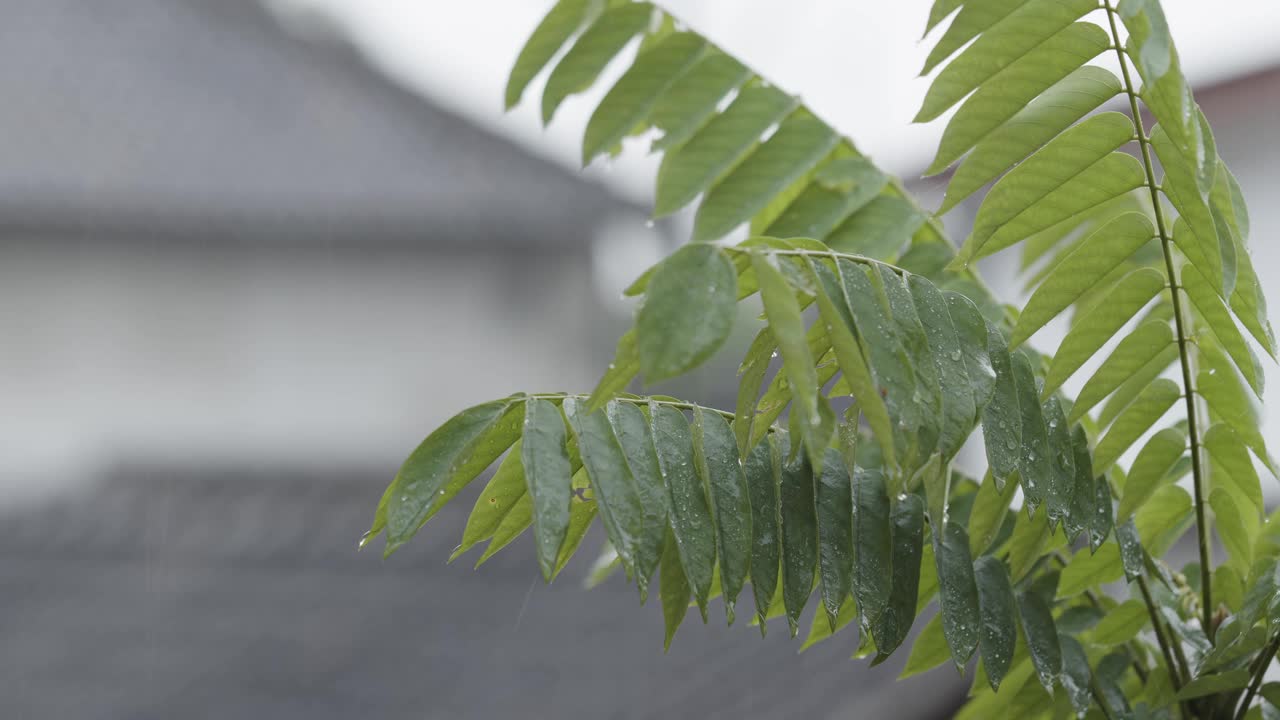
<point>1264,662</point>
<point>636,401</point>
<point>1166,245</point>
<point>801,252</point>
<point>1158,626</point>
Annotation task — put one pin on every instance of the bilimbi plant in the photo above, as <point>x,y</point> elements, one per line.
<point>1103,172</point>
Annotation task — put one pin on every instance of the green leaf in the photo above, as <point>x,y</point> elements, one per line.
<point>595,47</point>
<point>799,144</point>
<point>915,342</point>
<point>1121,624</point>
<point>513,524</point>
<point>693,98</point>
<point>1163,519</point>
<point>974,18</point>
<point>841,186</point>
<point>560,23</point>
<point>1149,469</point>
<point>1124,395</point>
<point>958,408</point>
<point>451,456</point>
<point>783,312</point>
<point>673,591</point>
<point>1083,491</point>
<point>1135,421</point>
<point>615,488</point>
<point>1029,539</point>
<point>1042,638</point>
<point>939,12</point>
<point>1081,92</point>
<point>1103,514</point>
<point>763,472</point>
<point>635,437</point>
<point>999,621</point>
<point>690,515</point>
<point>1130,549</point>
<point>958,592</point>
<point>582,511</point>
<point>629,102</point>
<point>880,229</point>
<point>929,651</point>
<point>1107,247</point>
<point>1114,175</point>
<point>1218,320</point>
<point>1130,356</point>
<point>989,513</point>
<point>1087,336</point>
<point>1035,462</point>
<point>1061,460</point>
<point>1250,305</point>
<point>549,476</point>
<point>799,534</point>
<point>1009,91</point>
<point>500,495</point>
<point>718,146</point>
<point>1088,569</point>
<point>1226,398</point>
<point>971,330</point>
<point>1214,684</point>
<point>907,521</point>
<point>755,365</point>
<point>873,572</point>
<point>822,629</point>
<point>1014,37</point>
<point>892,370</point>
<point>1001,418</point>
<point>1231,465</point>
<point>716,454</point>
<point>834,503</point>
<point>838,321</point>
<point>688,311</point>
<point>1076,677</point>
<point>1232,529</point>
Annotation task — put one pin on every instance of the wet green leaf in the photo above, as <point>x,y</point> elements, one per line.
<point>907,522</point>
<point>673,590</point>
<point>958,592</point>
<point>549,477</point>
<point>688,311</point>
<point>690,514</point>
<point>716,456</point>
<point>958,407</point>
<point>763,472</point>
<point>833,501</point>
<point>1042,638</point>
<point>621,510</point>
<point>451,456</point>
<point>873,572</point>
<point>999,632</point>
<point>634,434</point>
<point>799,533</point>
<point>560,23</point>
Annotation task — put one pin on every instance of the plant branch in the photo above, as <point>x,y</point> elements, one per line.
<point>1166,245</point>
<point>1264,662</point>
<point>1158,626</point>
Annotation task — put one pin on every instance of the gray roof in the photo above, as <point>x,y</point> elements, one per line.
<point>191,116</point>
<point>167,593</point>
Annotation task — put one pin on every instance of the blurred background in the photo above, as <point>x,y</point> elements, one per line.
<point>252,251</point>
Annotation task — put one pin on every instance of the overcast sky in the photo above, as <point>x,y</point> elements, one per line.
<point>855,63</point>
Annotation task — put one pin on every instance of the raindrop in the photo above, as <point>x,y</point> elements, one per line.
<point>955,355</point>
